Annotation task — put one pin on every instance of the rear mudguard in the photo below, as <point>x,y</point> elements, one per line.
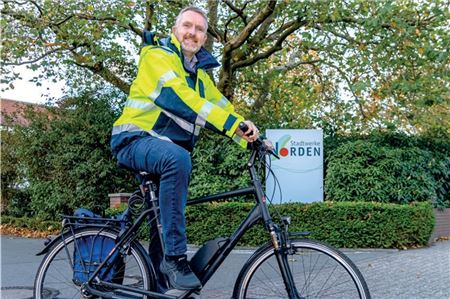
<point>50,242</point>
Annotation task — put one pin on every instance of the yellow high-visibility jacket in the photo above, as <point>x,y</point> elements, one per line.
<point>169,102</point>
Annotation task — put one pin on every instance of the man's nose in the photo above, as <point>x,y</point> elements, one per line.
<point>191,30</point>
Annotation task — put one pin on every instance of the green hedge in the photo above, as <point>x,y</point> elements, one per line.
<point>391,168</point>
<point>342,224</point>
<point>31,223</point>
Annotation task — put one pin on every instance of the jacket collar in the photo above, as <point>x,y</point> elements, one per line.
<point>205,60</point>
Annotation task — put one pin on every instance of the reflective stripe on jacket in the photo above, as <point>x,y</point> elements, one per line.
<point>170,103</point>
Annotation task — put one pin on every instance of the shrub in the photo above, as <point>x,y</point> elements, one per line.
<point>388,168</point>
<point>64,157</point>
<point>219,164</point>
<point>31,223</point>
<point>342,224</point>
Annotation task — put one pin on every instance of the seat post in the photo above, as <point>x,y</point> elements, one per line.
<point>149,186</point>
<point>150,189</point>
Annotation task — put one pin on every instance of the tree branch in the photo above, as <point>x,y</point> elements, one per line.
<point>229,22</point>
<point>259,102</point>
<point>239,12</point>
<point>113,20</point>
<point>129,26</point>
<point>212,22</point>
<point>38,7</point>
<point>100,70</point>
<point>216,33</point>
<point>40,57</point>
<point>357,100</point>
<point>136,30</point>
<point>18,16</point>
<point>345,37</point>
<point>16,2</point>
<point>149,11</point>
<point>276,47</point>
<point>225,34</point>
<point>97,68</point>
<point>292,65</point>
<point>260,35</point>
<point>251,26</point>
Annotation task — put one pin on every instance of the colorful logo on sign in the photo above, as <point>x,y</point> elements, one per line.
<point>281,146</point>
<point>285,146</point>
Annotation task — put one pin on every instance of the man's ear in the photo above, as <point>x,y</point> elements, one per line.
<point>174,29</point>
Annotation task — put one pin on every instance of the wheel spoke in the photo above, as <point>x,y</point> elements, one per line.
<point>318,271</point>
<point>56,272</point>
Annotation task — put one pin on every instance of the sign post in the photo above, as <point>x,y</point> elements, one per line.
<point>299,172</point>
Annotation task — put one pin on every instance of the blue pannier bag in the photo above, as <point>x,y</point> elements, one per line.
<point>90,251</point>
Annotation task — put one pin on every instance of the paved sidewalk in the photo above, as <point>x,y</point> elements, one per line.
<point>409,274</point>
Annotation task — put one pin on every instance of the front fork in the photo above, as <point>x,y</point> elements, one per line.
<point>281,244</point>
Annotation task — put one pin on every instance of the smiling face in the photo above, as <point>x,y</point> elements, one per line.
<point>190,30</point>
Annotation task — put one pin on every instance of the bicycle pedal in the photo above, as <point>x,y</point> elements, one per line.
<point>181,293</point>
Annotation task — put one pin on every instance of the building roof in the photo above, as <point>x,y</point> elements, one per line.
<point>14,109</point>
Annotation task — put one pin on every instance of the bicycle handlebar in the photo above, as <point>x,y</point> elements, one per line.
<point>259,143</point>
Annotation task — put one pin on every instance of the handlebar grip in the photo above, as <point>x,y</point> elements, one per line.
<point>243,127</point>
<point>258,142</point>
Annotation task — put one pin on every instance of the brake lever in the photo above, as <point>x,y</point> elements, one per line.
<point>260,142</point>
<point>273,154</point>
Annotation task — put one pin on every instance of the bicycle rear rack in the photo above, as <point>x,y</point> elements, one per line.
<point>79,222</point>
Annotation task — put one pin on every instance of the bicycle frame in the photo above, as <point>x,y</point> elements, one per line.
<point>259,212</point>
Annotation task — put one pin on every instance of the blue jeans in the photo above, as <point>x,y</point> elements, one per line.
<point>172,164</point>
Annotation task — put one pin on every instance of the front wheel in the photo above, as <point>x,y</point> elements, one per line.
<point>55,276</point>
<point>318,271</point>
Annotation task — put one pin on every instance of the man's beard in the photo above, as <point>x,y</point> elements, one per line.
<point>189,48</point>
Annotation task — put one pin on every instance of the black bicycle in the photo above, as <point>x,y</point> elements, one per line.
<point>287,266</point>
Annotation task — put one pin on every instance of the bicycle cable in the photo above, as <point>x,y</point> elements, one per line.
<point>267,166</point>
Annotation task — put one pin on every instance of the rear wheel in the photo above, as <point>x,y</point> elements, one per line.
<point>318,271</point>
<point>55,278</point>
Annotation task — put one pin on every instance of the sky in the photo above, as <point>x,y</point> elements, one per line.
<point>26,91</point>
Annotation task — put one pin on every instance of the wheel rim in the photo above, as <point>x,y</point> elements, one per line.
<point>56,271</point>
<point>316,275</point>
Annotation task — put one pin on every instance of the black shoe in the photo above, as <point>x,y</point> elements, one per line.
<point>179,273</point>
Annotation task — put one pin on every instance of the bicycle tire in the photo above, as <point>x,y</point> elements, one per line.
<point>54,278</point>
<point>318,270</point>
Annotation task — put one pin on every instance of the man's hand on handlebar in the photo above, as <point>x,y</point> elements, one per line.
<point>268,144</point>
<point>249,132</point>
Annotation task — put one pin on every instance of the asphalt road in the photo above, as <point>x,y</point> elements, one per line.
<point>415,273</point>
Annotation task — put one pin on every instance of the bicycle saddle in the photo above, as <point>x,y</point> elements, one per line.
<point>141,176</point>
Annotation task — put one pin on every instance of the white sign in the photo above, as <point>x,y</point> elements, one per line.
<point>299,172</point>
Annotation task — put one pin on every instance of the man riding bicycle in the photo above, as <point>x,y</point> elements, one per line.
<point>171,98</point>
